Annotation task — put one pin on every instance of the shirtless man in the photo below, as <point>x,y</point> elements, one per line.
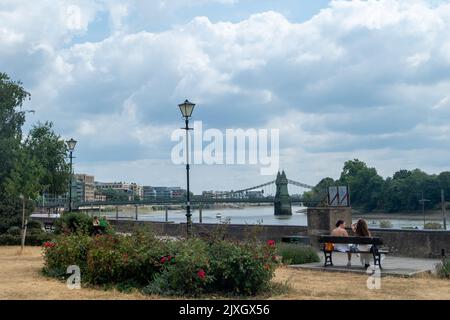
<point>340,231</point>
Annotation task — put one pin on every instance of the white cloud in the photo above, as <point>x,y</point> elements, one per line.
<point>359,79</point>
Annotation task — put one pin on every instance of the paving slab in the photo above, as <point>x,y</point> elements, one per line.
<point>392,266</point>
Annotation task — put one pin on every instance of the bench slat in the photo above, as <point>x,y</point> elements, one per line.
<point>352,239</point>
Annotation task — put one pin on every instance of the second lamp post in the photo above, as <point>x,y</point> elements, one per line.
<point>186,109</point>
<point>71,145</point>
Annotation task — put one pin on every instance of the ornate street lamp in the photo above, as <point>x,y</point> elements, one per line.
<point>186,109</point>
<point>71,145</point>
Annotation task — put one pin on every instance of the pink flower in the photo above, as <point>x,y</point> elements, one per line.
<point>201,274</point>
<point>271,243</point>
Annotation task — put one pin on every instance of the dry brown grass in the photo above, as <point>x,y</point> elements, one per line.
<point>305,284</point>
<point>20,278</point>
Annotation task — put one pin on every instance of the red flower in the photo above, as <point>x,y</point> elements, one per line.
<point>201,274</point>
<point>49,244</point>
<point>271,243</point>
<point>163,260</point>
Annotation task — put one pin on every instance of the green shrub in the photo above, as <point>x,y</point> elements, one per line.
<point>297,254</point>
<point>116,259</point>
<point>444,269</point>
<point>14,231</point>
<point>35,225</point>
<point>74,222</point>
<point>172,267</point>
<point>243,268</point>
<point>433,225</point>
<point>64,251</point>
<point>185,269</point>
<point>77,222</point>
<point>33,238</point>
<point>385,224</point>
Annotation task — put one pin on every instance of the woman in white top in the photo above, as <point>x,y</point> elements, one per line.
<point>361,230</point>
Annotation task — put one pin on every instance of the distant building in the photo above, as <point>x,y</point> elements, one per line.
<point>83,188</point>
<point>137,190</point>
<point>100,198</point>
<point>150,192</point>
<point>129,189</point>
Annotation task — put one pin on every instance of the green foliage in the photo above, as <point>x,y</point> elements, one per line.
<point>241,268</point>
<point>74,222</point>
<point>66,250</point>
<point>443,269</point>
<point>187,267</point>
<point>433,226</point>
<point>50,151</point>
<point>297,254</point>
<point>385,224</point>
<point>369,191</point>
<point>318,195</point>
<point>118,259</point>
<point>34,237</point>
<point>185,270</point>
<point>24,165</point>
<point>11,212</point>
<point>365,184</point>
<point>78,222</point>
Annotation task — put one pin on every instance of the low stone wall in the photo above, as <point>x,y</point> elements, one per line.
<point>415,243</point>
<point>232,231</point>
<point>408,243</point>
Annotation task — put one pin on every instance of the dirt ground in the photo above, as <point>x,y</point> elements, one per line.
<point>20,278</point>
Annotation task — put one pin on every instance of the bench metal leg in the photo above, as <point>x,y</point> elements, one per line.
<point>328,258</point>
<point>377,260</point>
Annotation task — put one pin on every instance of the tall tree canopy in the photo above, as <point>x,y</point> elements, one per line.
<point>27,166</point>
<point>401,192</point>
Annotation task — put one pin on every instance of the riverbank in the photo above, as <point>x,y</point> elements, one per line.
<point>434,215</point>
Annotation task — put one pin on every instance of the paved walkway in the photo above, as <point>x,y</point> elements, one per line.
<point>392,266</point>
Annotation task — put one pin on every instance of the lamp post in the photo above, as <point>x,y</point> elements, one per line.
<point>71,145</point>
<point>423,208</point>
<point>186,109</point>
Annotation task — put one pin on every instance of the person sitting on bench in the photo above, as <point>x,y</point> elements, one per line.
<point>340,231</point>
<point>361,230</point>
<point>96,226</point>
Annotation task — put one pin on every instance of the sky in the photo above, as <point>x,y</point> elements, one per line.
<point>339,79</point>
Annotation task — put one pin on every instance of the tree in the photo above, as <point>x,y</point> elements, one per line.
<point>365,184</point>
<point>317,196</point>
<point>51,152</point>
<point>12,156</point>
<point>12,96</point>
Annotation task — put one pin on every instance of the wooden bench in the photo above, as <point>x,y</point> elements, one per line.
<point>374,250</point>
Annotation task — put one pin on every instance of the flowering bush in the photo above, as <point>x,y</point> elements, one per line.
<point>242,268</point>
<point>65,251</point>
<point>184,270</point>
<point>188,267</point>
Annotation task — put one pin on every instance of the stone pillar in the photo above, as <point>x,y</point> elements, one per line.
<point>282,204</point>
<point>321,220</point>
